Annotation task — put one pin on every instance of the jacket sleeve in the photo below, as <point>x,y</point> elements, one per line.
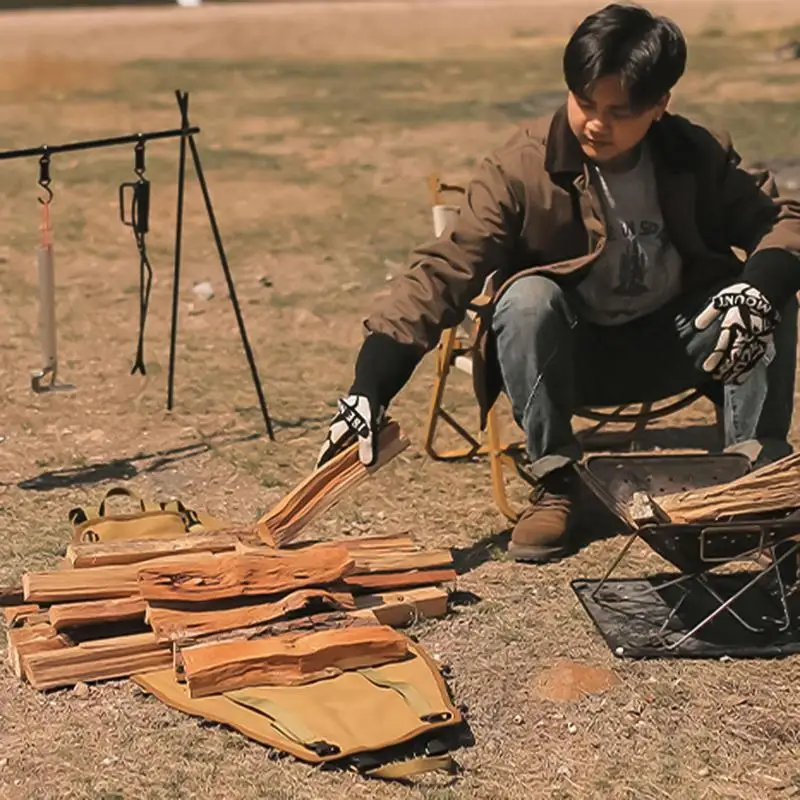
<point>764,225</point>
<point>446,273</point>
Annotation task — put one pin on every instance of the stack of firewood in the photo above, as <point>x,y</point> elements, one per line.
<point>231,608</point>
<point>225,611</point>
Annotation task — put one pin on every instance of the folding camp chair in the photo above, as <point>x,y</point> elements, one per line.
<point>456,349</point>
<point>735,592</point>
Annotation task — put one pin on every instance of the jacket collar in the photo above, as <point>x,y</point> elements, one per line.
<point>563,154</point>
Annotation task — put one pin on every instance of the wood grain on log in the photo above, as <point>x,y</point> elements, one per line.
<point>359,545</point>
<point>94,612</point>
<point>403,608</point>
<point>290,659</point>
<point>393,581</point>
<point>177,623</point>
<point>103,554</point>
<point>325,487</point>
<point>368,563</point>
<point>31,639</point>
<point>117,657</point>
<point>14,616</point>
<point>774,488</point>
<point>91,583</point>
<point>390,556</point>
<point>393,542</point>
<point>313,623</point>
<point>216,577</point>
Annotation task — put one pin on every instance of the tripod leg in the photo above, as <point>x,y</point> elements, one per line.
<point>183,102</point>
<point>198,168</point>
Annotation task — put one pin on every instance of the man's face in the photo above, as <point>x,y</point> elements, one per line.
<point>605,125</point>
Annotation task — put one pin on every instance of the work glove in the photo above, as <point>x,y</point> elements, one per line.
<point>383,367</point>
<point>746,320</point>
<point>357,418</point>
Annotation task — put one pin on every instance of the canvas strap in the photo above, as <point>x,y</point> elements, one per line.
<point>285,722</point>
<point>407,691</point>
<point>414,766</point>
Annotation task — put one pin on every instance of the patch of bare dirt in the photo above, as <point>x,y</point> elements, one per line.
<point>569,680</point>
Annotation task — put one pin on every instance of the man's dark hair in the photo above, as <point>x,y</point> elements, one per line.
<point>648,53</point>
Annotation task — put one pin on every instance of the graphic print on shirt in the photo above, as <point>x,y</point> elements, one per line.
<point>639,269</point>
<point>632,266</point>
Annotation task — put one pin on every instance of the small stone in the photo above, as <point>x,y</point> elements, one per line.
<point>703,772</point>
<point>517,720</point>
<point>619,651</point>
<point>725,659</point>
<point>81,690</point>
<point>265,281</point>
<point>204,290</point>
<point>572,727</point>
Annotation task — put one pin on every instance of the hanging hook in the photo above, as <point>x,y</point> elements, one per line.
<point>139,165</point>
<point>44,178</point>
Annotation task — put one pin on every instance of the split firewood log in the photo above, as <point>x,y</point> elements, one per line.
<point>169,623</point>
<point>103,554</point>
<point>64,616</point>
<point>100,659</point>
<point>205,578</point>
<point>324,488</point>
<point>289,660</point>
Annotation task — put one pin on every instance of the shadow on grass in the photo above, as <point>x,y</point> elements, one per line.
<point>123,469</point>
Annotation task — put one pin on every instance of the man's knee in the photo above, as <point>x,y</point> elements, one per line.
<point>532,301</point>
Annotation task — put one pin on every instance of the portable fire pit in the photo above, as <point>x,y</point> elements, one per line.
<point>735,589</point>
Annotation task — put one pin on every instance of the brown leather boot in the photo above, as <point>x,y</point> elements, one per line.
<point>544,529</point>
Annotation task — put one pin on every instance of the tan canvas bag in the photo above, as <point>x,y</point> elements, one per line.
<point>166,520</point>
<point>384,717</point>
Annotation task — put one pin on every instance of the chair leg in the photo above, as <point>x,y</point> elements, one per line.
<point>444,365</point>
<point>443,359</point>
<point>496,455</point>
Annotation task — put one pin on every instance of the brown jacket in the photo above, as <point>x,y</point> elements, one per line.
<point>532,209</point>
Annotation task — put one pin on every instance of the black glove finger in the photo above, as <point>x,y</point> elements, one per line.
<point>339,437</point>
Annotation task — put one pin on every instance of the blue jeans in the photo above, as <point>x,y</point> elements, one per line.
<point>553,362</point>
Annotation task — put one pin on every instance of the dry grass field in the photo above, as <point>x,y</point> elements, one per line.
<point>320,123</point>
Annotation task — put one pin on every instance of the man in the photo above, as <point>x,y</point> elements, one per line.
<point>607,233</point>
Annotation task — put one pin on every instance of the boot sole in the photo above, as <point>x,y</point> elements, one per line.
<point>535,555</point>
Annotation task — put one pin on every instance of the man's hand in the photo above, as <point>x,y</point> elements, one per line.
<point>356,419</point>
<point>746,322</point>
